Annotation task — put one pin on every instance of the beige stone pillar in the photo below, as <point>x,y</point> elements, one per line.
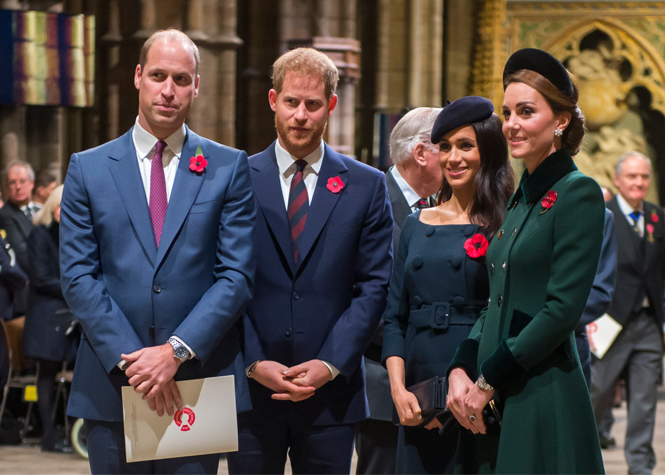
<point>459,34</point>
<point>148,20</point>
<point>112,41</point>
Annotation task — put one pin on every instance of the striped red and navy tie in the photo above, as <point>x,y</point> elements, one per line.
<point>298,207</point>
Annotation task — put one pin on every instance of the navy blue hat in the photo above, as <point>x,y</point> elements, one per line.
<point>464,111</point>
<point>542,63</point>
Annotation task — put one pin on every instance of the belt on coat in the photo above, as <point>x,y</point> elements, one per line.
<point>440,315</point>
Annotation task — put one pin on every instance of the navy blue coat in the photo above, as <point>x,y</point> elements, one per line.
<point>128,294</point>
<point>328,306</point>
<point>47,317</point>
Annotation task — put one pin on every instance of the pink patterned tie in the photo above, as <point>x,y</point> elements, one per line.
<point>158,202</point>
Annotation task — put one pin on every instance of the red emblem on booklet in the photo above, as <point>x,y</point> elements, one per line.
<point>476,246</point>
<point>335,184</point>
<point>185,425</point>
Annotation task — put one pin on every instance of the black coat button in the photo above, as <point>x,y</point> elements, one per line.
<point>296,296</point>
<point>430,231</point>
<point>499,301</point>
<point>288,332</point>
<point>417,262</point>
<point>157,289</point>
<point>492,269</point>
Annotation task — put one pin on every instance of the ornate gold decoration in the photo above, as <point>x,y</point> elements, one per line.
<point>490,53</point>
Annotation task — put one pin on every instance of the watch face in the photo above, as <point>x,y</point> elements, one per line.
<point>181,352</point>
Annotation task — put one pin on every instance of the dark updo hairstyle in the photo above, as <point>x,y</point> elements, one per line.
<point>494,181</point>
<point>572,136</point>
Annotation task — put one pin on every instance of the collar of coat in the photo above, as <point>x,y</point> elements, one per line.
<point>554,168</point>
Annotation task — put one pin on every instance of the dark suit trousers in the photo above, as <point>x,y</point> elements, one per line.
<point>106,448</point>
<point>638,349</point>
<point>376,445</point>
<point>264,441</point>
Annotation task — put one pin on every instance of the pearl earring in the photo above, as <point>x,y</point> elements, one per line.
<point>558,133</point>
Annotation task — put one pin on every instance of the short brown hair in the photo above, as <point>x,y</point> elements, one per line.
<point>170,34</point>
<point>306,61</point>
<point>558,102</point>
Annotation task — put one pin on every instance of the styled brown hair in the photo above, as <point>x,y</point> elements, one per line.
<point>572,136</point>
<point>495,181</point>
<point>306,61</point>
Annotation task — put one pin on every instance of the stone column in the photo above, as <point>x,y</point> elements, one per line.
<point>112,41</point>
<point>459,39</point>
<point>148,20</point>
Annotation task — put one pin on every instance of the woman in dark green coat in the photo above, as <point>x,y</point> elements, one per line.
<point>541,265</point>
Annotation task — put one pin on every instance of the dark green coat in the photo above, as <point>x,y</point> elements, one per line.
<point>541,265</point>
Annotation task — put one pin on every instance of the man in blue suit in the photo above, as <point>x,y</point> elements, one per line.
<point>324,232</point>
<point>157,260</point>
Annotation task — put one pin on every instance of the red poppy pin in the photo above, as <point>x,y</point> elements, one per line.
<point>335,184</point>
<point>198,163</point>
<point>548,201</point>
<point>654,217</point>
<point>476,246</point>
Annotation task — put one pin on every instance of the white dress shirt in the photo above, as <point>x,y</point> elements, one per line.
<point>287,168</point>
<point>144,143</point>
<point>410,196</point>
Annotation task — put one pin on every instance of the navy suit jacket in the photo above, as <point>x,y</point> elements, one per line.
<point>12,279</point>
<point>128,294</point>
<point>601,293</point>
<point>328,306</point>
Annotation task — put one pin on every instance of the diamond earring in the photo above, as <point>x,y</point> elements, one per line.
<point>558,133</point>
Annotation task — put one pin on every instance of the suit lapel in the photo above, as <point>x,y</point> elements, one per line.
<point>401,208</point>
<point>650,246</point>
<point>185,189</point>
<point>323,201</point>
<point>127,177</point>
<point>268,192</point>
<point>625,236</point>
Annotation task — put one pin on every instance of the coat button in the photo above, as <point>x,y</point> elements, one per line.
<point>500,235</point>
<point>430,231</point>
<point>417,301</point>
<point>157,289</point>
<point>503,266</point>
<point>492,269</point>
<point>417,262</point>
<point>458,301</point>
<point>296,296</point>
<point>499,301</point>
<point>514,232</point>
<point>288,332</point>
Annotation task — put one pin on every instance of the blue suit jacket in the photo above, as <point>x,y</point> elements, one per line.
<point>128,294</point>
<point>328,306</point>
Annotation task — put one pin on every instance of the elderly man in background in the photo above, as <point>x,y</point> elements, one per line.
<point>638,306</point>
<point>16,218</point>
<point>412,182</point>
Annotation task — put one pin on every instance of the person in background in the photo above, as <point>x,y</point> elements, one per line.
<point>16,218</point>
<point>542,265</point>
<point>47,316</point>
<point>637,305</point>
<point>44,185</point>
<point>412,182</point>
<point>439,283</point>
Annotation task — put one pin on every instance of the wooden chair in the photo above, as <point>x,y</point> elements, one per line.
<point>18,365</point>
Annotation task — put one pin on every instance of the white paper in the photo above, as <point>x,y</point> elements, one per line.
<point>207,424</point>
<point>601,333</point>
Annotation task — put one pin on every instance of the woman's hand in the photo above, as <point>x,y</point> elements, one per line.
<point>408,408</point>
<point>459,385</point>
<point>474,403</point>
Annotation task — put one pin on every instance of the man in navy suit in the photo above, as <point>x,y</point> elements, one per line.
<point>324,231</point>
<point>157,260</point>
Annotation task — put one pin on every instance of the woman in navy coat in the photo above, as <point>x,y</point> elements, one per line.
<point>440,282</point>
<point>47,316</point>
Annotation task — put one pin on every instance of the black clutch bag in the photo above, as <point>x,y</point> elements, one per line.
<point>431,395</point>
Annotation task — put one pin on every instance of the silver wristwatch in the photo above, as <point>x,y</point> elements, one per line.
<point>179,350</point>
<point>484,385</point>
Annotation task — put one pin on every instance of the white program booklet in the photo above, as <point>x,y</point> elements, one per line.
<point>601,333</point>
<point>206,425</point>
